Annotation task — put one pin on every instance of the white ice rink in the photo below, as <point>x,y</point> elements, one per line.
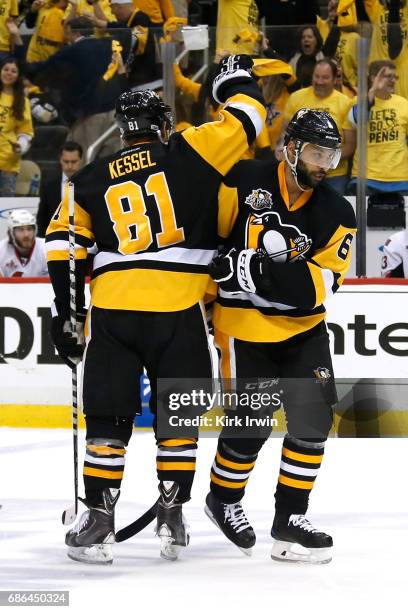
<point>361,498</point>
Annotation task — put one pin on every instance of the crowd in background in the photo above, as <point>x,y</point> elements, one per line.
<point>63,64</point>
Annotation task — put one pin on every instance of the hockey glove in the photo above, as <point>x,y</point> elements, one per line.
<point>70,347</point>
<point>232,271</point>
<point>232,71</point>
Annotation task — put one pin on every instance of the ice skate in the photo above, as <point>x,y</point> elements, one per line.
<point>90,541</point>
<point>171,525</point>
<point>231,519</point>
<point>297,540</point>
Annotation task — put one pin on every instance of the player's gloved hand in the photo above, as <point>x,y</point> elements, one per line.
<point>232,70</point>
<point>70,347</point>
<point>232,271</point>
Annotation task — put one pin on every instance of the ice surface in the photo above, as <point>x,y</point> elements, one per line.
<point>360,498</point>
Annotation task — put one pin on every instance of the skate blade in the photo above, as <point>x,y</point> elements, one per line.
<point>246,551</point>
<point>291,552</point>
<point>98,554</point>
<point>168,549</point>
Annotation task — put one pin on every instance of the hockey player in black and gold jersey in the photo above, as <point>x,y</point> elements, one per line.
<point>151,210</point>
<point>287,249</point>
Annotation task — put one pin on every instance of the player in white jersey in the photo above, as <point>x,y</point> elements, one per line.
<point>395,256</point>
<point>22,253</point>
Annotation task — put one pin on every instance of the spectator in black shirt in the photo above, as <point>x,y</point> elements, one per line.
<point>79,72</point>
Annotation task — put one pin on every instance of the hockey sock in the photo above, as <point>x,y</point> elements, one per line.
<point>103,467</point>
<point>106,439</point>
<point>230,473</point>
<point>176,460</point>
<point>300,463</point>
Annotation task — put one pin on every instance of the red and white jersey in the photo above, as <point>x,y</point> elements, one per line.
<point>395,256</point>
<point>13,264</point>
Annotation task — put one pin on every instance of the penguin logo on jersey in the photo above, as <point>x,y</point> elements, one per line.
<point>259,199</point>
<point>283,242</point>
<point>322,375</point>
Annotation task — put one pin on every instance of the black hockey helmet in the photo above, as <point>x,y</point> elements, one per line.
<point>143,113</point>
<point>314,126</point>
<point>317,141</point>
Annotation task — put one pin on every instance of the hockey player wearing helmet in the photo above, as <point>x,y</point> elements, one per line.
<point>287,249</point>
<point>142,114</point>
<point>312,146</point>
<point>151,210</point>
<point>21,253</point>
<point>322,96</point>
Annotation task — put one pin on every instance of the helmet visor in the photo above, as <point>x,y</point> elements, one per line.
<point>322,157</point>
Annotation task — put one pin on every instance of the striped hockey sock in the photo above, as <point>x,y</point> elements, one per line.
<point>176,461</point>
<point>300,463</point>
<point>104,465</point>
<point>230,473</point>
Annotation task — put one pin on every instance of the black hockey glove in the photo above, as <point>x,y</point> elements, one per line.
<point>70,347</point>
<point>232,271</point>
<point>232,71</point>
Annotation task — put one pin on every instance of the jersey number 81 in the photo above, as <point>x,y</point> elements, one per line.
<point>127,209</point>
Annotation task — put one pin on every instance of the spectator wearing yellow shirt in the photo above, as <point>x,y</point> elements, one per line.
<point>91,9</point>
<point>275,76</point>
<point>345,50</point>
<point>237,26</point>
<point>8,10</point>
<point>16,129</point>
<point>323,96</point>
<point>157,10</point>
<point>85,8</point>
<point>47,18</point>
<point>390,42</point>
<point>387,150</point>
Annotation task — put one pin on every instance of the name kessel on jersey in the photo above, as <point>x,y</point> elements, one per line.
<point>139,160</point>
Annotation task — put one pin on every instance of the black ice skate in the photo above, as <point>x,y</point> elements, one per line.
<point>297,540</point>
<point>90,541</point>
<point>231,519</point>
<point>171,526</point>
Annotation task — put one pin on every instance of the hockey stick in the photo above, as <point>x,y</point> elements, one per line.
<point>69,515</point>
<point>139,524</point>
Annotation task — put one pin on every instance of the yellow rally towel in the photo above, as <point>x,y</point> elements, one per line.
<point>268,67</point>
<point>113,66</point>
<point>347,13</point>
<point>247,36</point>
<point>172,25</point>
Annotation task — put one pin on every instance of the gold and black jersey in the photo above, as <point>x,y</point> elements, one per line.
<point>308,244</point>
<point>151,211</point>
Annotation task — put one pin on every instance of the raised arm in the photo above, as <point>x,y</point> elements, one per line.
<point>222,143</point>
